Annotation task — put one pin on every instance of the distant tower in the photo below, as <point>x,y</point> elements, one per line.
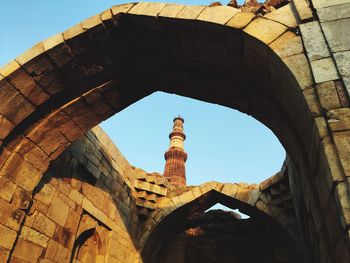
<point>176,157</point>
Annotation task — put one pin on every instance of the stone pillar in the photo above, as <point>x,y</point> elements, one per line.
<point>176,157</point>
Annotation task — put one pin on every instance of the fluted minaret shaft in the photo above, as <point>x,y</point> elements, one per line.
<point>176,157</point>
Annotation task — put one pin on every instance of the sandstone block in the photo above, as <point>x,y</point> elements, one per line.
<point>314,41</point>
<point>342,60</point>
<point>230,190</point>
<point>149,9</point>
<point>121,8</point>
<point>303,9</point>
<point>335,12</point>
<point>265,30</point>
<point>23,109</point>
<point>7,189</point>
<point>171,10</point>
<point>287,45</point>
<point>4,254</point>
<point>6,127</point>
<point>7,92</point>
<point>44,225</point>
<point>21,198</point>
<point>37,238</point>
<point>328,95</point>
<point>324,3</point>
<point>321,127</point>
<point>337,34</point>
<point>27,251</point>
<point>190,12</point>
<point>218,14</point>
<point>51,250</point>
<point>342,142</point>
<point>299,66</point>
<point>339,119</point>
<point>324,70</point>
<point>243,195</point>
<point>342,197</point>
<point>284,15</point>
<point>312,101</point>
<point>240,20</point>
<point>58,210</point>
<point>8,237</point>
<point>10,216</point>
<point>33,154</point>
<point>45,194</point>
<point>76,196</point>
<point>9,68</point>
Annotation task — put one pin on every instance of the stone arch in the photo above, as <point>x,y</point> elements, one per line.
<point>247,198</point>
<point>86,56</point>
<point>67,84</point>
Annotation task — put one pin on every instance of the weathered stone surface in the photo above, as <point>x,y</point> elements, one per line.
<point>190,12</point>
<point>10,216</point>
<point>321,127</point>
<point>76,196</point>
<point>6,127</point>
<point>342,142</point>
<point>342,59</point>
<point>44,225</point>
<point>23,106</point>
<point>265,30</point>
<point>312,101</point>
<point>335,12</point>
<point>21,198</point>
<point>324,70</point>
<point>314,41</point>
<point>45,194</point>
<point>300,68</point>
<point>58,210</point>
<point>27,251</point>
<point>4,254</point>
<point>144,8</point>
<point>339,119</point>
<point>283,15</point>
<point>337,34</point>
<point>7,189</point>
<point>287,45</point>
<point>240,20</point>
<point>332,160</point>
<point>171,10</point>
<point>328,95</point>
<point>37,238</point>
<point>8,237</point>
<point>218,14</point>
<point>342,197</point>
<point>324,3</point>
<point>303,9</point>
<point>124,8</point>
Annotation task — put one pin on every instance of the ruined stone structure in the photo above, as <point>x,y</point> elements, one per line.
<point>176,157</point>
<point>68,195</point>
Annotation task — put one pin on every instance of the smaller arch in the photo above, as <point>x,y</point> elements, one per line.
<point>174,215</point>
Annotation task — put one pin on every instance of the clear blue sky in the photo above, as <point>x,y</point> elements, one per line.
<point>222,144</point>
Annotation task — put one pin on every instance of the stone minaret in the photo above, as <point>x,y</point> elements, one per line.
<point>176,157</point>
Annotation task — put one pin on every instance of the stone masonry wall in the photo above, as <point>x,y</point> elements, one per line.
<point>86,188</point>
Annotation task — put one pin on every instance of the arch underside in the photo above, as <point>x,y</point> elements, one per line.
<point>69,83</point>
